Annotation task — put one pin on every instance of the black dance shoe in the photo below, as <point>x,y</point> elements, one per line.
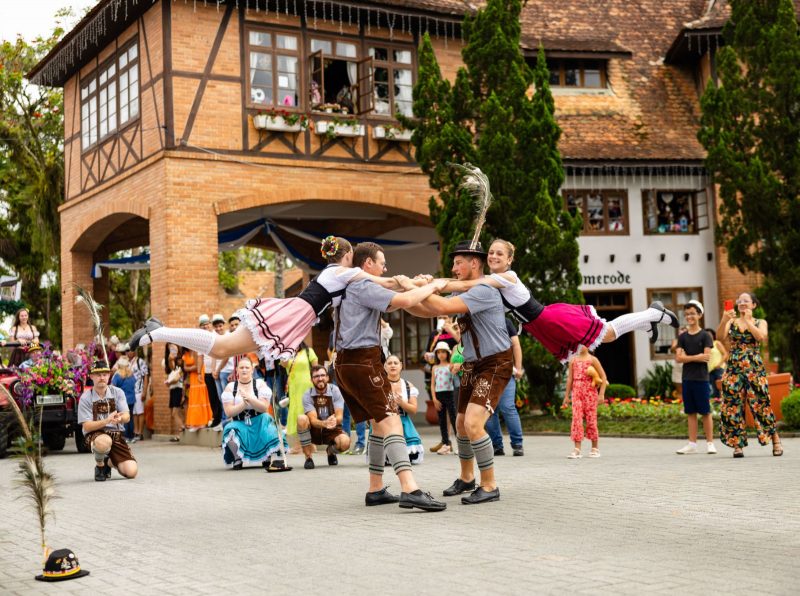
<point>106,468</point>
<point>309,465</point>
<point>150,325</point>
<point>458,487</point>
<point>99,474</point>
<point>673,320</point>
<point>481,495</point>
<point>380,497</point>
<point>421,500</point>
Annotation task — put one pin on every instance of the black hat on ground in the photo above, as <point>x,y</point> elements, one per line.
<point>465,248</point>
<point>62,564</point>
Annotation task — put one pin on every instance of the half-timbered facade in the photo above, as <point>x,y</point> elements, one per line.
<point>190,123</point>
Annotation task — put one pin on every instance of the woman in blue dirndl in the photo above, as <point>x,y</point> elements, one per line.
<point>251,436</point>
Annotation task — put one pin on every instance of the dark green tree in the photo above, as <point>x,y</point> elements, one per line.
<point>750,128</point>
<point>490,118</point>
<point>31,177</point>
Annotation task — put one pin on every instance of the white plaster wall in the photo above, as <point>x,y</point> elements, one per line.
<point>650,272</point>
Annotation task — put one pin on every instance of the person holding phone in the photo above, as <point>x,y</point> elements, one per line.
<point>745,378</point>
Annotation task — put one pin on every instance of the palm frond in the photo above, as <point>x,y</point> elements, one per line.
<point>84,297</point>
<point>476,184</point>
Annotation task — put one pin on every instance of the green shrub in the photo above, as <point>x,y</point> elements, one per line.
<point>658,381</point>
<point>790,407</point>
<point>620,390</point>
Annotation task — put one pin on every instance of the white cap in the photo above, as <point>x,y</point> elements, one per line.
<point>697,304</point>
<point>203,320</point>
<point>217,318</point>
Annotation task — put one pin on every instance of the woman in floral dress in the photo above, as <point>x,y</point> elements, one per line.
<point>745,379</point>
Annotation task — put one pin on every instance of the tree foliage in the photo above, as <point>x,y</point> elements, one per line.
<point>751,130</point>
<point>499,115</point>
<point>31,177</point>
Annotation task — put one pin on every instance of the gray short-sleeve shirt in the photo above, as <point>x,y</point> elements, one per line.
<point>89,397</point>
<point>332,390</point>
<point>488,322</point>
<point>359,313</point>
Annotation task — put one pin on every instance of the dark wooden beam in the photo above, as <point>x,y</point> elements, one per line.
<point>212,57</point>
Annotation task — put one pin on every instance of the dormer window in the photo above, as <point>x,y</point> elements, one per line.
<point>577,73</point>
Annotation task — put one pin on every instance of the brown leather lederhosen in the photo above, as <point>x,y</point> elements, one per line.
<point>483,380</point>
<point>120,451</point>
<point>324,436</point>
<point>362,379</point>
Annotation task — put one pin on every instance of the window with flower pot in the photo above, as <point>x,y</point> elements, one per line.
<point>674,299</point>
<point>110,96</point>
<point>274,77</point>
<point>339,81</point>
<point>393,80</point>
<point>603,211</point>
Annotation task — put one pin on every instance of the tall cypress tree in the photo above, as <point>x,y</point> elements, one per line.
<point>488,118</point>
<point>751,129</point>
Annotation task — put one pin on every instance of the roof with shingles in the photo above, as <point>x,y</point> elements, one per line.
<point>652,112</point>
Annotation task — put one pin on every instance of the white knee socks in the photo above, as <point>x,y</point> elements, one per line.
<point>637,321</point>
<point>199,340</point>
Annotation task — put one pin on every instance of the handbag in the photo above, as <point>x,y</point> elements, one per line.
<point>174,376</point>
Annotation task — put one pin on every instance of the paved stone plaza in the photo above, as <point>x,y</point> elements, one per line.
<point>639,520</point>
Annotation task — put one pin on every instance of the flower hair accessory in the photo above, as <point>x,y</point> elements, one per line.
<point>332,242</point>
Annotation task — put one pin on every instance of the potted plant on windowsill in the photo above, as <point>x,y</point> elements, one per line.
<point>280,120</point>
<point>391,133</point>
<point>339,127</point>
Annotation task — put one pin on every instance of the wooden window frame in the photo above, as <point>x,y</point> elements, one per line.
<point>674,307</point>
<point>606,194</point>
<point>700,217</point>
<point>390,65</point>
<point>128,68</point>
<point>357,42</point>
<point>274,52</point>
<point>579,64</point>
<point>95,76</point>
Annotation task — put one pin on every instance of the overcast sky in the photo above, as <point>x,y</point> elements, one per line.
<point>34,17</point>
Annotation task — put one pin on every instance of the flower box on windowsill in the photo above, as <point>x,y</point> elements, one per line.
<point>390,133</point>
<point>326,127</point>
<point>278,123</point>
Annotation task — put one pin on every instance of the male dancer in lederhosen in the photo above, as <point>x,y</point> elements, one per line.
<point>363,381</point>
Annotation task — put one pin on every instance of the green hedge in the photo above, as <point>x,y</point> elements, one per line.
<point>790,407</point>
<point>621,391</point>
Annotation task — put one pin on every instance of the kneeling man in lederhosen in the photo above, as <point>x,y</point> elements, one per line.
<point>321,424</point>
<point>102,413</point>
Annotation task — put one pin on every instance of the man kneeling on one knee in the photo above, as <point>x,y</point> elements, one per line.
<point>321,424</point>
<point>102,414</point>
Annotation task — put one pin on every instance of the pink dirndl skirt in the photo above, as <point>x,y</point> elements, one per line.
<point>277,325</point>
<point>563,328</point>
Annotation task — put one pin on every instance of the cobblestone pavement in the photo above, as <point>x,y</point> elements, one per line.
<point>638,520</point>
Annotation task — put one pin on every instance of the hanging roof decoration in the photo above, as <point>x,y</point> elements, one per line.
<point>109,18</point>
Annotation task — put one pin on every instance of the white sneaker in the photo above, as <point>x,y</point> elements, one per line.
<point>595,452</point>
<point>711,450</point>
<point>216,428</point>
<point>688,450</point>
<point>445,449</point>
<point>576,454</point>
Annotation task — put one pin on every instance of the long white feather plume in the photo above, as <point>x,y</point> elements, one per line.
<point>476,184</point>
<point>35,480</point>
<point>85,298</point>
